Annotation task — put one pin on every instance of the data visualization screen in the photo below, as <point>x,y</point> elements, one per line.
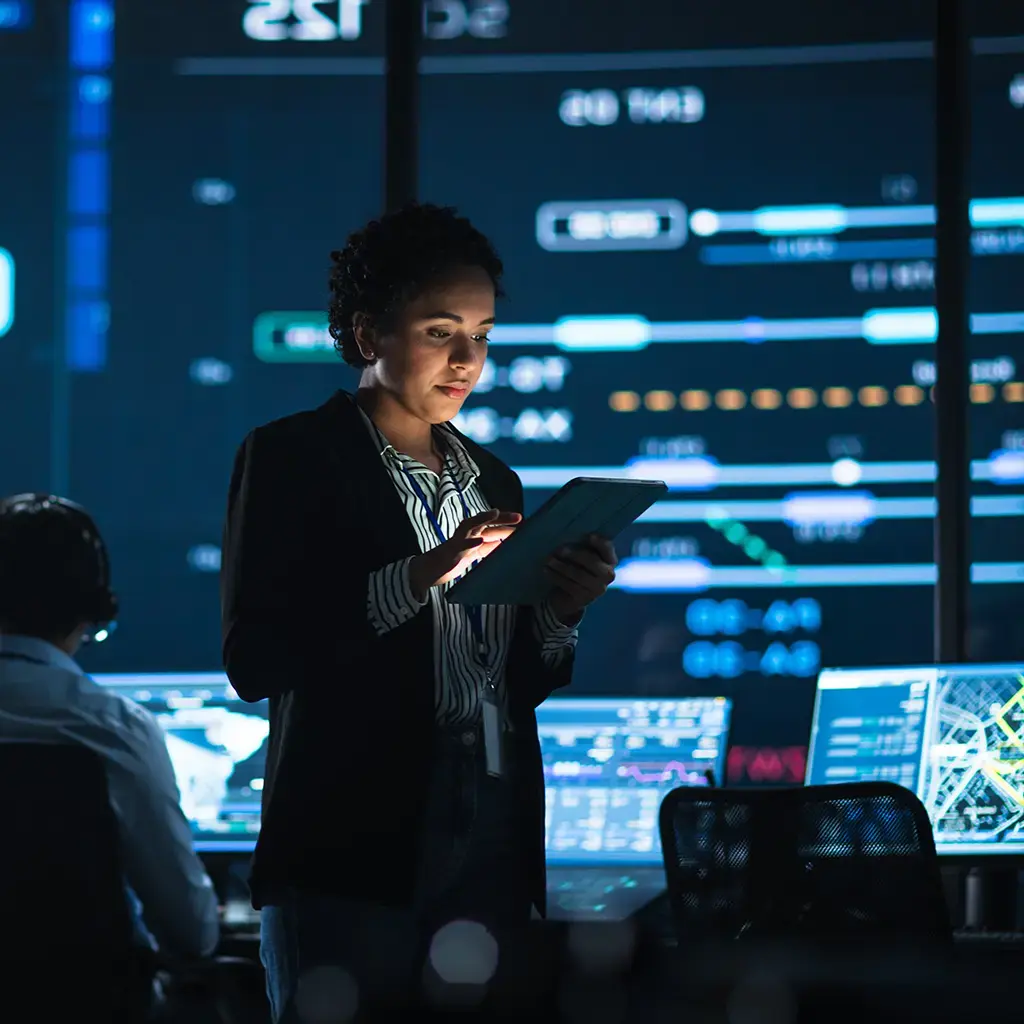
<point>952,734</point>
<point>719,242</point>
<point>996,422</point>
<point>229,187</point>
<point>608,763</point>
<point>717,223</point>
<point>218,747</point>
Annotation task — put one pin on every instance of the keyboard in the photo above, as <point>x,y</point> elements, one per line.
<point>601,893</point>
<point>574,894</point>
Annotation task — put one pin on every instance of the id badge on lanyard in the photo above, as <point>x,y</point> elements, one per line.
<point>491,709</point>
<point>490,705</point>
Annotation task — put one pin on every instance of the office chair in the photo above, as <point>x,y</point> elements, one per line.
<point>64,907</point>
<point>70,949</point>
<point>844,862</point>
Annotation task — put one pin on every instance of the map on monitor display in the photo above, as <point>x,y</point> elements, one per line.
<point>953,734</point>
<point>975,766</point>
<point>218,747</point>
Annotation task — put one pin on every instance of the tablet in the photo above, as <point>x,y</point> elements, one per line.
<point>514,572</point>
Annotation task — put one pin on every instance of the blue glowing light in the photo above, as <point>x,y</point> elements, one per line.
<point>90,55</point>
<point>601,333</point>
<point>15,15</point>
<point>831,218</point>
<point>901,326</point>
<point>696,470</point>
<point>92,38</point>
<point>997,213</point>
<point>704,659</point>
<point>693,473</point>
<point>1007,467</point>
<point>799,220</point>
<point>6,291</point>
<point>686,575</point>
<point>809,508</point>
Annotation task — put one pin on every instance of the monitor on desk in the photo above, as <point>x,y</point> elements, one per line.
<point>953,734</point>
<point>218,747</point>
<point>608,763</point>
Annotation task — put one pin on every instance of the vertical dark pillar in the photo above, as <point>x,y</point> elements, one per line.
<point>401,125</point>
<point>952,265</point>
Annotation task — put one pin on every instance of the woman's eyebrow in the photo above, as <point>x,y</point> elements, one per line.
<point>445,315</point>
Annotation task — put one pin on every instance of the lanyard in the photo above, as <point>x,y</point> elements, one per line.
<point>475,612</point>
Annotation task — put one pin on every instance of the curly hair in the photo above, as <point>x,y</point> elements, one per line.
<point>391,260</point>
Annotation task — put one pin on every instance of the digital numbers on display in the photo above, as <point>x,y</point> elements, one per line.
<point>579,108</point>
<point>703,659</point>
<point>526,374</point>
<point>918,275</point>
<point>728,659</point>
<point>706,617</point>
<point>324,21</point>
<point>303,20</point>
<point>485,425</point>
<point>452,19</point>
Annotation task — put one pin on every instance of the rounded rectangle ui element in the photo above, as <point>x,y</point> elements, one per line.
<point>6,291</point>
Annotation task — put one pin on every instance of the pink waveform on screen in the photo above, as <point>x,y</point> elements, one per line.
<point>683,773</point>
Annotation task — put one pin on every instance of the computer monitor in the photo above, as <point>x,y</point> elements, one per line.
<point>218,747</point>
<point>608,763</point>
<point>954,734</point>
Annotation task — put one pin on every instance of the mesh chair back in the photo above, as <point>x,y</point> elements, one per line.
<point>842,861</point>
<point>61,887</point>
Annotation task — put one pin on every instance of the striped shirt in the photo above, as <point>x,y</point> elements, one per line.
<point>460,674</point>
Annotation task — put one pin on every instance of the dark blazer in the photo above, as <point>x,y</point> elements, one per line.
<point>311,512</point>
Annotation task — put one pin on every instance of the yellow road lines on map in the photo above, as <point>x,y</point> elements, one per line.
<point>1002,785</point>
<point>1000,720</point>
<point>995,769</point>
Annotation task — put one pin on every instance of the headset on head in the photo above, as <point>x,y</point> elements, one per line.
<point>95,603</point>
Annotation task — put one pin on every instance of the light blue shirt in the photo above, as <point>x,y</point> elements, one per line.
<point>45,697</point>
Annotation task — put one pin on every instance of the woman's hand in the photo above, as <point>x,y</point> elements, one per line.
<point>475,539</point>
<point>580,575</point>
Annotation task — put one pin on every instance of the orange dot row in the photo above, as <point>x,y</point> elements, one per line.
<point>870,397</point>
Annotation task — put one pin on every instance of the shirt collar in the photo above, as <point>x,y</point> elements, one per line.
<point>39,650</point>
<point>464,468</point>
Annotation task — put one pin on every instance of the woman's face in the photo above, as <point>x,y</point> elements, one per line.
<point>431,355</point>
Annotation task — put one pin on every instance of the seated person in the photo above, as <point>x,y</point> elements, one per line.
<point>54,595</point>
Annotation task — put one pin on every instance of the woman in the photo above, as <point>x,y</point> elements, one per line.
<point>384,810</point>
